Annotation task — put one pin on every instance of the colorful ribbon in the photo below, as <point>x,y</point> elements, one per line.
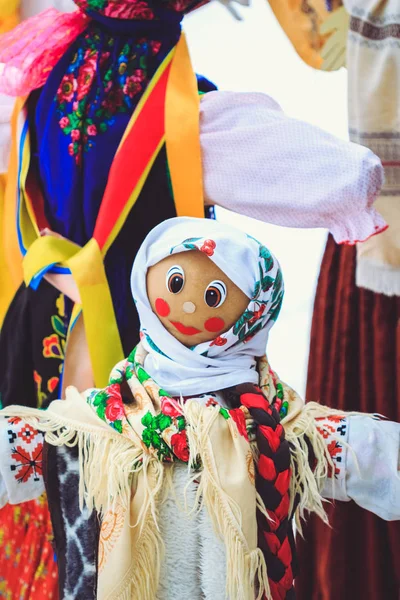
<point>168,113</point>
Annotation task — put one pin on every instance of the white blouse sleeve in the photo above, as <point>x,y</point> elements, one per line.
<point>368,469</point>
<point>21,450</point>
<point>259,162</point>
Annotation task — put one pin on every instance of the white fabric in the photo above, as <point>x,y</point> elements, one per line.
<point>373,471</point>
<point>336,436</point>
<point>369,468</point>
<point>259,162</point>
<point>184,371</point>
<point>195,558</point>
<point>18,482</point>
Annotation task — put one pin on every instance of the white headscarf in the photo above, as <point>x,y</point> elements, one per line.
<point>230,359</point>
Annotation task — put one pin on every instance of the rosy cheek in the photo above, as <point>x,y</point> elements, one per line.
<point>215,324</point>
<point>162,307</point>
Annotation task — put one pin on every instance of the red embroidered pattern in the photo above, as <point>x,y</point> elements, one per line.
<point>28,464</point>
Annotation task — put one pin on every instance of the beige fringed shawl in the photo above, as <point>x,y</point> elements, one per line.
<point>373,61</point>
<point>125,477</point>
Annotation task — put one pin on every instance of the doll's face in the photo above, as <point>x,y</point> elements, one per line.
<point>193,298</point>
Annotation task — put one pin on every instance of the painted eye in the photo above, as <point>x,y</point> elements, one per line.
<point>175,279</point>
<point>215,294</point>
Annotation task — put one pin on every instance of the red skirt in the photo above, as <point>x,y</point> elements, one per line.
<point>27,567</point>
<point>354,364</point>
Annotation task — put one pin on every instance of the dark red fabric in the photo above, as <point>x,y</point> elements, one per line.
<point>354,365</point>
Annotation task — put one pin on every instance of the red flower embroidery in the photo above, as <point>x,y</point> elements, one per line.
<point>180,446</point>
<point>86,76</point>
<point>336,418</point>
<point>52,384</point>
<point>75,134</point>
<point>155,47</point>
<point>334,448</point>
<point>27,434</point>
<point>51,347</point>
<point>219,341</point>
<point>114,407</point>
<point>208,247</point>
<point>211,402</point>
<point>14,420</point>
<point>257,315</point>
<point>64,122</point>
<point>171,408</point>
<point>92,130</point>
<point>240,420</point>
<point>65,92</point>
<point>132,86</point>
<point>28,464</point>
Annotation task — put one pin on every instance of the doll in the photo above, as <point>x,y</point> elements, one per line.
<point>196,456</point>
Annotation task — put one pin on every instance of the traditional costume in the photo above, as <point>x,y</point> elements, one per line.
<point>355,339</point>
<point>207,432</point>
<point>98,156</point>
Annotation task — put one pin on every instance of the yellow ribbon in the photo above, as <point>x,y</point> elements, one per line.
<point>182,135</point>
<point>87,268</point>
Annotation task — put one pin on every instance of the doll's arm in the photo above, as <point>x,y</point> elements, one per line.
<point>259,162</point>
<point>366,457</point>
<point>21,449</point>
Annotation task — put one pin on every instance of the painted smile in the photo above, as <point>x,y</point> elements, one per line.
<point>185,330</point>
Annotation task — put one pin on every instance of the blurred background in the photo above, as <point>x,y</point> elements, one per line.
<point>255,55</point>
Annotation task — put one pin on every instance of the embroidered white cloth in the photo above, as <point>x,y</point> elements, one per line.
<point>373,64</point>
<point>259,162</point>
<point>21,448</point>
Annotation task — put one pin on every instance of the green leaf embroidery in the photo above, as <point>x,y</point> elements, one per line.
<point>246,316</point>
<point>266,283</point>
<point>163,421</point>
<point>146,437</point>
<point>142,375</point>
<point>224,413</point>
<point>268,260</point>
<point>155,439</point>
<point>257,289</point>
<point>58,325</point>
<point>100,398</point>
<point>279,391</point>
<point>129,372</point>
<point>147,419</point>
<point>118,426</point>
<point>101,412</point>
<point>181,423</point>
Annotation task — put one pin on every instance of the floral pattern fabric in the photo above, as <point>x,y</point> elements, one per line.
<point>105,78</point>
<point>163,432</point>
<point>28,569</point>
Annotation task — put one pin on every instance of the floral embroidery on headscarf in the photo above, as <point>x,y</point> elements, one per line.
<point>122,80</point>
